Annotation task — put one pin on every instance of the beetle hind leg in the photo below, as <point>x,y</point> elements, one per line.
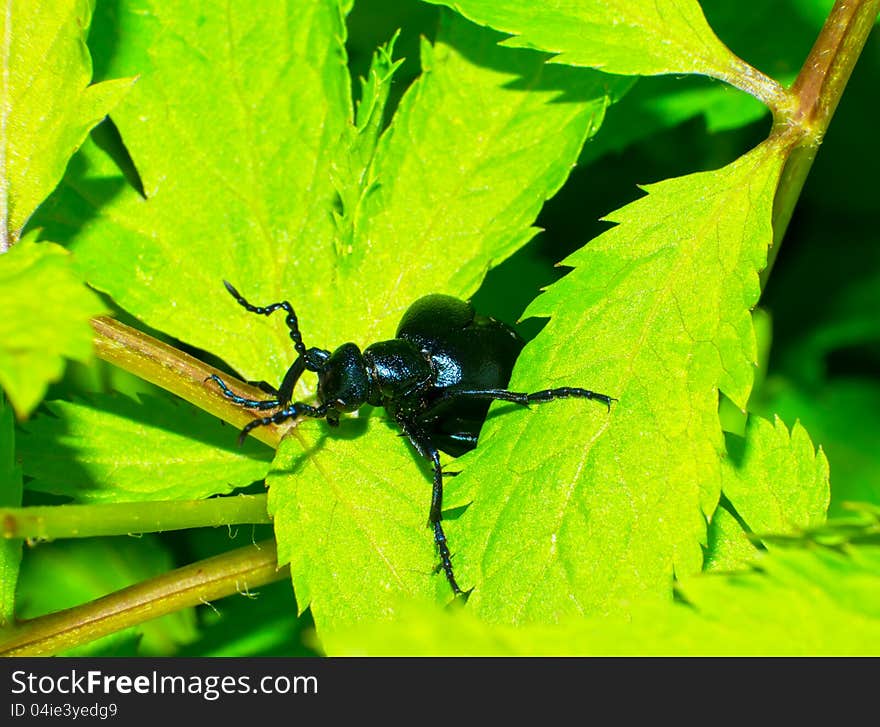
<point>435,516</point>
<point>425,447</point>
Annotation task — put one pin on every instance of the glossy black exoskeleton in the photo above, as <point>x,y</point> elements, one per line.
<point>435,379</point>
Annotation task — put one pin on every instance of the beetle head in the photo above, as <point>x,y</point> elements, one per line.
<point>343,381</point>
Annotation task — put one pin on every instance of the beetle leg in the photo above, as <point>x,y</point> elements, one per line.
<point>466,440</point>
<point>297,368</point>
<point>425,447</point>
<point>566,392</point>
<point>241,400</point>
<point>522,398</point>
<point>293,411</point>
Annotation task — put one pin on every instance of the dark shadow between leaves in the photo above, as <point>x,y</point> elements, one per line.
<point>736,449</point>
<point>33,448</point>
<point>103,39</point>
<point>74,203</point>
<point>479,45</point>
<point>108,139</point>
<point>79,197</point>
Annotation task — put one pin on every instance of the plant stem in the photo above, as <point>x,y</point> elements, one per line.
<point>235,572</point>
<point>771,93</point>
<point>177,372</point>
<point>83,521</point>
<point>818,89</point>
<point>827,69</point>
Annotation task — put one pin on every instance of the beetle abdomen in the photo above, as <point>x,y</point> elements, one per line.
<point>468,352</point>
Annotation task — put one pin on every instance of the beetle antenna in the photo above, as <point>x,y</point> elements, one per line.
<point>290,319</point>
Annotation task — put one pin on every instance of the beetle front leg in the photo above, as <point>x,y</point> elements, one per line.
<point>241,400</point>
<point>293,411</point>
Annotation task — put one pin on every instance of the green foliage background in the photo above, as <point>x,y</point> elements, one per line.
<point>691,518</point>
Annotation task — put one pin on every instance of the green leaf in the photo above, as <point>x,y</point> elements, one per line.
<point>775,480</point>
<point>10,496</point>
<point>609,505</point>
<point>430,220</point>
<point>844,415</point>
<point>234,149</point>
<point>47,103</point>
<point>660,103</point>
<point>728,546</point>
<point>860,525</point>
<point>801,602</point>
<point>262,215</point>
<point>355,535</point>
<point>617,36</point>
<point>114,449</point>
<point>46,311</point>
<point>480,118</point>
<point>350,177</point>
<point>56,576</point>
<point>370,109</point>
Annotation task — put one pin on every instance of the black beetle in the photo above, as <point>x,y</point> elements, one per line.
<point>436,379</point>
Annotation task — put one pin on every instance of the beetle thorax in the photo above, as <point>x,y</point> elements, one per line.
<point>398,369</point>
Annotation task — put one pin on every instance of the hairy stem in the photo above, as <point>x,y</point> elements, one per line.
<point>123,518</point>
<point>771,93</point>
<point>827,69</point>
<point>818,89</point>
<point>238,571</point>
